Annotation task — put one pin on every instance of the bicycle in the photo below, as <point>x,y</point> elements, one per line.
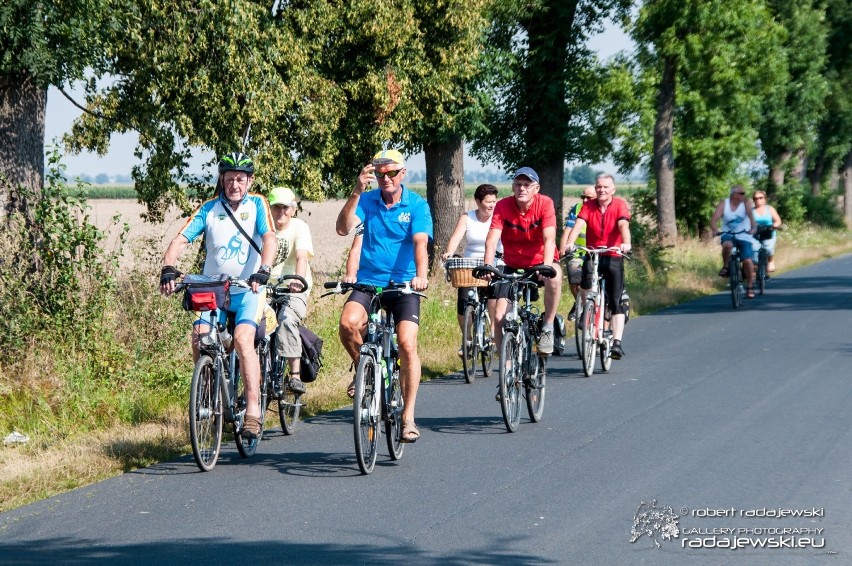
<point>289,401</point>
<point>520,366</point>
<point>590,325</point>
<point>763,233</point>
<point>217,393</point>
<point>477,333</point>
<point>378,390</point>
<point>735,269</point>
<point>578,309</point>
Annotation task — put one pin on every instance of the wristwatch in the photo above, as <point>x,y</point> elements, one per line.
<point>265,268</point>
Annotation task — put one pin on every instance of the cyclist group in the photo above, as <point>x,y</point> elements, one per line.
<point>255,239</point>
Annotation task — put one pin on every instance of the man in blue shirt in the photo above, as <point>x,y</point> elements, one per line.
<point>397,230</point>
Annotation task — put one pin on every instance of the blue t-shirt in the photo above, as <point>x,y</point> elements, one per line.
<point>387,252</point>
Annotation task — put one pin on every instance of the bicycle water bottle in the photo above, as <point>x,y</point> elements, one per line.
<point>227,339</point>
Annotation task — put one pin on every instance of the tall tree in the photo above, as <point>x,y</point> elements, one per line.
<point>708,61</point>
<point>833,149</point>
<point>42,43</point>
<point>554,100</point>
<point>794,105</point>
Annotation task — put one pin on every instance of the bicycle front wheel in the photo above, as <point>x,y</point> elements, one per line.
<point>534,386</point>
<point>761,270</point>
<point>289,409</point>
<point>393,424</point>
<point>469,343</point>
<point>486,353</point>
<point>578,330</point>
<point>246,447</point>
<point>510,391</point>
<point>736,282</point>
<point>590,342</point>
<point>205,413</point>
<point>365,413</point>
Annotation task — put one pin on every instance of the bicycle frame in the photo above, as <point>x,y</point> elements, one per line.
<point>593,326</point>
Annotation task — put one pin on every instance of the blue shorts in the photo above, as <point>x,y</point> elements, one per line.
<point>246,307</point>
<point>746,251</point>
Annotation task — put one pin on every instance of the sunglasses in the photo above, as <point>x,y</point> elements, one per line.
<point>759,198</point>
<point>390,174</point>
<point>741,194</point>
<point>584,197</point>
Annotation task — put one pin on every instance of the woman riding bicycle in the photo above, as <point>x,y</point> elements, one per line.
<point>738,224</point>
<point>473,226</point>
<point>767,219</point>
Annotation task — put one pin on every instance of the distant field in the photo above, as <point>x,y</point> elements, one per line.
<point>127,191</point>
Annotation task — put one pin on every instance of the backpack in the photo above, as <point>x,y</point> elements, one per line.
<point>311,355</point>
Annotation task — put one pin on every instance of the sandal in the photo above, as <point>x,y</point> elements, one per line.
<point>750,293</point>
<point>723,272</point>
<point>351,389</point>
<point>410,432</point>
<point>251,428</point>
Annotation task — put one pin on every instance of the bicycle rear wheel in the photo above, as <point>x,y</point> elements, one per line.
<point>486,353</point>
<point>365,413</point>
<point>469,345</point>
<point>393,424</point>
<point>534,387</point>
<point>590,343</point>
<point>510,390</point>
<point>246,447</point>
<point>205,413</point>
<point>606,357</point>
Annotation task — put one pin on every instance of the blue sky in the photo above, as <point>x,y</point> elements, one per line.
<point>119,160</point>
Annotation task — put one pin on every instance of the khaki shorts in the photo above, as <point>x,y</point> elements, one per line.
<point>291,313</point>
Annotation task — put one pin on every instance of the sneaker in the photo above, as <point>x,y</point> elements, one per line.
<point>296,385</point>
<point>572,314</point>
<point>461,352</point>
<point>616,353</point>
<point>545,342</point>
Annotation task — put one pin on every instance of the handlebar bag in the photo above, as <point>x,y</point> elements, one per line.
<point>206,293</point>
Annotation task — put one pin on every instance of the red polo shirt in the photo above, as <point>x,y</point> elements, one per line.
<point>602,228</point>
<point>523,234</point>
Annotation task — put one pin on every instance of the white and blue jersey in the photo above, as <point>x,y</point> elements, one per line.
<point>387,252</point>
<point>228,251</point>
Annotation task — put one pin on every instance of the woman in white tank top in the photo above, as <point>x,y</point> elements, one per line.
<point>473,226</point>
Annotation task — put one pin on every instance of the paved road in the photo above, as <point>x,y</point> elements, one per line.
<point>714,418</point>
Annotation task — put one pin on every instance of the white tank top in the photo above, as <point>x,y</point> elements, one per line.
<point>475,236</point>
<point>736,220</point>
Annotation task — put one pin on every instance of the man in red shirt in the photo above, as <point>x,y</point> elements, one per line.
<point>606,221</point>
<point>526,224</point>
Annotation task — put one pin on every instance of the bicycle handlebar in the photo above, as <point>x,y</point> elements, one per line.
<point>279,288</point>
<point>599,250</point>
<point>543,269</point>
<point>340,287</point>
<point>236,281</point>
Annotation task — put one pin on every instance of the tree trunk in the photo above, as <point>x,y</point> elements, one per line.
<point>798,168</point>
<point>664,155</point>
<point>22,111</point>
<point>816,175</point>
<point>847,189</point>
<point>777,171</point>
<point>444,189</point>
<point>544,96</point>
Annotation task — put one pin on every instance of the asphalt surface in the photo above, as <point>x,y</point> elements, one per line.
<point>727,428</point>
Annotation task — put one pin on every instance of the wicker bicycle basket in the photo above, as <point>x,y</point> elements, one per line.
<point>460,270</point>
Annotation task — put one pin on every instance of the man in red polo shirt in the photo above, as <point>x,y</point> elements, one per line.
<point>607,223</point>
<point>526,224</point>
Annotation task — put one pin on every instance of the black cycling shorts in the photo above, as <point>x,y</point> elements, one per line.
<point>611,268</point>
<point>403,307</point>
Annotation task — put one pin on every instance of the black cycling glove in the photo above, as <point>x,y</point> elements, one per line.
<point>261,277</point>
<point>168,274</point>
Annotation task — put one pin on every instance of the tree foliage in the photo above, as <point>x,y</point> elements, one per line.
<point>727,54</point>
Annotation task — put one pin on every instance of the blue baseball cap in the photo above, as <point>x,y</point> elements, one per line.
<point>526,172</point>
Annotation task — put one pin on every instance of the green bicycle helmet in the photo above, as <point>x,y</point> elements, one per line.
<point>236,161</point>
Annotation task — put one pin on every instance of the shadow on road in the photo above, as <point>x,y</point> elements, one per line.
<point>222,550</point>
